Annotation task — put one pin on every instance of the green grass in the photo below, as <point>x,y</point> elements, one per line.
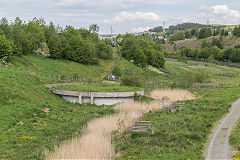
<point>23,99</point>
<point>212,70</point>
<point>179,135</point>
<point>61,67</point>
<point>235,138</point>
<point>99,88</point>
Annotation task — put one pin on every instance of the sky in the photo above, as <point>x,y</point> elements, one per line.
<point>123,15</point>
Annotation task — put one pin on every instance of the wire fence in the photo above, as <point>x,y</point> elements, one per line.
<point>59,77</point>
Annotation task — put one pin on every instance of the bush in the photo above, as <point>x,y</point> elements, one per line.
<point>132,80</point>
<point>186,80</point>
<point>205,44</point>
<point>43,51</point>
<point>117,71</point>
<point>217,42</point>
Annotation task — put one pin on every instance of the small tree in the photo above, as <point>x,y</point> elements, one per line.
<point>5,48</point>
<point>43,51</point>
<point>217,42</point>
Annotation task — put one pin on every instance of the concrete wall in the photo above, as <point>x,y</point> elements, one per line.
<point>111,101</point>
<point>98,98</point>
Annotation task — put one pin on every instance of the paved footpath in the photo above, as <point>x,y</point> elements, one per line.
<point>219,147</point>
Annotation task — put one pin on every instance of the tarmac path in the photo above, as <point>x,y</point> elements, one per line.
<point>219,147</point>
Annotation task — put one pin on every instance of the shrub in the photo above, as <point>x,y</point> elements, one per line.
<point>132,80</point>
<point>186,80</point>
<point>217,42</point>
<point>205,44</point>
<point>117,71</point>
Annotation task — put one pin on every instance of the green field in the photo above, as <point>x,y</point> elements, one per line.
<point>99,88</point>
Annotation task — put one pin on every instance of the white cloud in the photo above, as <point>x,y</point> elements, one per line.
<point>225,11</point>
<point>140,29</point>
<point>136,16</point>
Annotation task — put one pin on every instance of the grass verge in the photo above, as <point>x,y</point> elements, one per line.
<point>235,139</point>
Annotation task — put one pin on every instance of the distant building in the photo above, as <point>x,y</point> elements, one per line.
<point>107,37</point>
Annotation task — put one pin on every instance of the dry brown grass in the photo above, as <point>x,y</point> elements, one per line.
<point>173,95</point>
<point>96,142</point>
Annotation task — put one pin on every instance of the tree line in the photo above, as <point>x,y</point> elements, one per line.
<point>36,37</point>
<point>198,33</point>
<point>142,52</point>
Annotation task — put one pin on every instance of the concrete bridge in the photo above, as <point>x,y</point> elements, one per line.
<point>98,98</point>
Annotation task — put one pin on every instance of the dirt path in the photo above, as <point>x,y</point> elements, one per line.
<point>219,147</point>
<point>95,143</point>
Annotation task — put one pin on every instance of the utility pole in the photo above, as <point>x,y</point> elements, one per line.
<point>164,25</point>
<point>111,30</point>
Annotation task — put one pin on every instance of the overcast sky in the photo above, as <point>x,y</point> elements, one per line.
<point>123,15</point>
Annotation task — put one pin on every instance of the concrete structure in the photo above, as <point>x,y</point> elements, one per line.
<point>98,98</point>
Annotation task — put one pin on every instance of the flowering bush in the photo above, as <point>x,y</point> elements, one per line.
<point>43,51</point>
<point>236,155</point>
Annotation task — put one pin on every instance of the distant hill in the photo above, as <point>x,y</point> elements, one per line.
<point>157,29</point>
<point>228,42</point>
<point>188,25</point>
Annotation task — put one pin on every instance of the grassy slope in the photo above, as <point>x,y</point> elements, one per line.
<point>182,135</point>
<point>228,42</point>
<point>23,99</point>
<point>62,67</point>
